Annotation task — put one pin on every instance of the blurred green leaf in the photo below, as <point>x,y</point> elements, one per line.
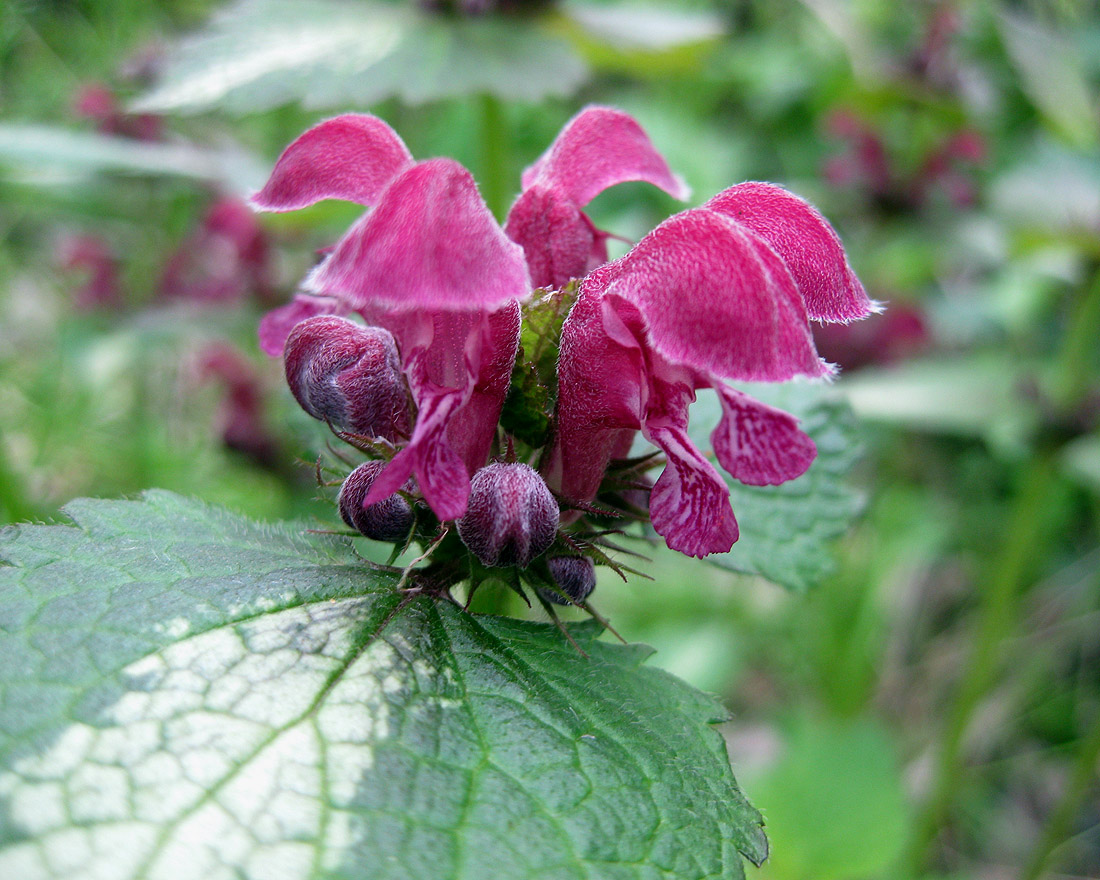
<point>185,693</point>
<point>48,154</point>
<point>834,801</point>
<point>975,396</point>
<point>1051,75</point>
<point>1050,187</point>
<point>786,530</point>
<point>642,42</point>
<point>259,54</point>
<point>1081,459</point>
<point>631,26</point>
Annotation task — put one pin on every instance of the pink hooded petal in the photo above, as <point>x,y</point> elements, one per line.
<point>276,325</point>
<point>459,367</point>
<point>690,502</point>
<point>558,240</point>
<point>806,242</point>
<point>440,472</point>
<point>351,157</point>
<point>757,444</point>
<point>600,392</point>
<point>717,299</point>
<point>431,243</point>
<point>598,148</point>
<point>472,430</point>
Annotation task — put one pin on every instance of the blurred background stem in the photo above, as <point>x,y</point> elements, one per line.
<point>1074,373</point>
<point>1057,827</point>
<point>996,619</point>
<point>494,177</point>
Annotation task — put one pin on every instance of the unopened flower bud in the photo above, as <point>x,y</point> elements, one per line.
<point>347,375</point>
<point>575,576</point>
<point>511,517</point>
<point>388,520</point>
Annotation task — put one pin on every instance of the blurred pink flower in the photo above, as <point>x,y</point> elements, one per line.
<point>98,103</point>
<point>93,255</point>
<point>867,165</point>
<point>225,259</point>
<point>900,333</point>
<point>240,418</point>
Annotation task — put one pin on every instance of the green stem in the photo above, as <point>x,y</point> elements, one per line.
<point>494,156</point>
<point>1054,833</point>
<point>996,621</point>
<point>1074,371</point>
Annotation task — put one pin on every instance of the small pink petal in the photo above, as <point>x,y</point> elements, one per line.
<point>690,503</point>
<point>598,148</point>
<point>717,299</point>
<point>473,428</point>
<point>807,243</point>
<point>276,325</point>
<point>757,444</point>
<point>351,157</point>
<point>439,470</point>
<point>431,243</point>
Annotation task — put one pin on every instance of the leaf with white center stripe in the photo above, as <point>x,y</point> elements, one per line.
<point>185,694</point>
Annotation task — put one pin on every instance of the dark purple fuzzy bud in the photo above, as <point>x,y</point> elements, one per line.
<point>573,575</point>
<point>511,517</point>
<point>348,375</point>
<point>388,520</point>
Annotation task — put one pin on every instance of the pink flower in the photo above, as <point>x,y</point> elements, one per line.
<point>428,264</point>
<point>93,255</point>
<point>240,416</point>
<point>597,148</point>
<point>224,259</point>
<point>99,103</point>
<point>720,292</point>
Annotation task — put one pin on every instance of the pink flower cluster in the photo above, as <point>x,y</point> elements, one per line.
<point>720,292</point>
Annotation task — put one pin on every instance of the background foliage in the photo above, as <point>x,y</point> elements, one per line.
<point>926,703</point>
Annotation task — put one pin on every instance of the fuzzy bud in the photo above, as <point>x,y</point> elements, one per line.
<point>348,375</point>
<point>388,520</point>
<point>573,575</point>
<point>511,517</point>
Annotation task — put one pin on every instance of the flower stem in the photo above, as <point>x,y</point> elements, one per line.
<point>1054,832</point>
<point>494,156</point>
<point>996,620</point>
<point>1074,371</point>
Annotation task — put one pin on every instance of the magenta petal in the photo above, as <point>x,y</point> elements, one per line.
<point>807,243</point>
<point>473,428</point>
<point>757,444</point>
<point>600,390</point>
<point>439,470</point>
<point>276,325</point>
<point>431,243</point>
<point>717,299</point>
<point>351,157</point>
<point>690,503</point>
<point>558,241</point>
<point>459,368</point>
<point>598,148</point>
